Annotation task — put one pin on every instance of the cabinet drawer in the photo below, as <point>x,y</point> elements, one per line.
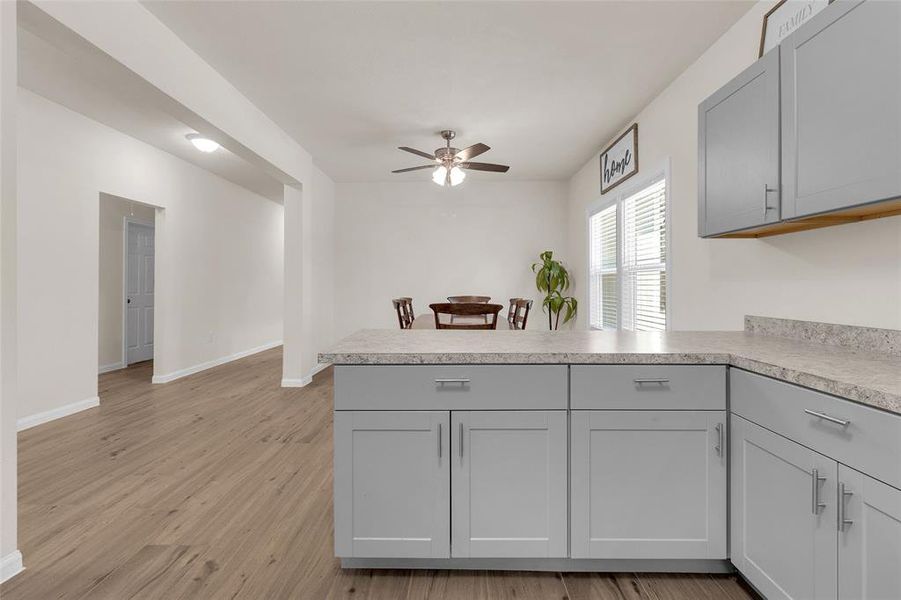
<point>450,387</point>
<point>870,442</point>
<point>648,387</point>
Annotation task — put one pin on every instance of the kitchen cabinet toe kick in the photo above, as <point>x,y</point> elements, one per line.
<point>564,565</point>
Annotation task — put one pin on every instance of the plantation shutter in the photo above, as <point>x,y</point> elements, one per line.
<point>643,298</point>
<point>627,262</point>
<point>603,294</point>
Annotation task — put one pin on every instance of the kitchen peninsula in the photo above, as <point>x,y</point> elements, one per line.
<point>613,450</point>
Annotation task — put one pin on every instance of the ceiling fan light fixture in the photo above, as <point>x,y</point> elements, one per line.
<point>457,175</point>
<point>452,163</point>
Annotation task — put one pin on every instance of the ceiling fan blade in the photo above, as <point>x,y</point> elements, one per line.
<point>414,168</point>
<point>478,166</point>
<point>472,151</point>
<point>417,152</point>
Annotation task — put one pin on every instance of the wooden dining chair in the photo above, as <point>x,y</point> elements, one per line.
<point>518,315</point>
<point>404,308</point>
<point>466,315</point>
<point>469,299</point>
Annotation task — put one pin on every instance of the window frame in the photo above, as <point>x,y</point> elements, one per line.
<point>617,197</point>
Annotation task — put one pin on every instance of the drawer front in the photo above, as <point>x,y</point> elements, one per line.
<point>870,442</point>
<point>648,387</point>
<point>450,387</point>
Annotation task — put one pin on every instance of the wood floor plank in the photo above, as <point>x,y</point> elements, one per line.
<point>606,586</point>
<point>219,485</point>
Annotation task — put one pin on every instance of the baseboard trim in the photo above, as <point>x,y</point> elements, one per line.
<point>56,413</point>
<point>213,363</point>
<point>11,565</point>
<point>110,367</point>
<point>306,380</point>
<point>297,383</point>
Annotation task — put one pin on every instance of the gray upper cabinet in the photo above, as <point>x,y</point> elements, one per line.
<point>841,109</point>
<point>738,151</point>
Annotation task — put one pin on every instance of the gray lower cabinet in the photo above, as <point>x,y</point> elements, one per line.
<point>738,151</point>
<point>869,550</point>
<point>392,484</point>
<point>509,484</point>
<point>648,484</point>
<point>783,526</point>
<point>841,121</point>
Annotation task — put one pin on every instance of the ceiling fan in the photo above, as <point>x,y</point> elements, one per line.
<point>451,162</point>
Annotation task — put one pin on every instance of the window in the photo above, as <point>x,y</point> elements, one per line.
<point>627,262</point>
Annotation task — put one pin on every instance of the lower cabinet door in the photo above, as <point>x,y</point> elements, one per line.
<point>509,484</point>
<point>648,484</point>
<point>869,539</point>
<point>392,484</point>
<point>783,527</point>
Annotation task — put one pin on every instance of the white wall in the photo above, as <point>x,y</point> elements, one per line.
<point>845,274</point>
<point>218,254</point>
<point>323,260</point>
<point>421,240</point>
<point>113,211</point>
<point>10,559</point>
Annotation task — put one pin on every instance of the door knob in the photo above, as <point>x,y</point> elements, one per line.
<point>128,301</point>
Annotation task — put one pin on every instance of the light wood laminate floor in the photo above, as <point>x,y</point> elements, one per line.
<point>219,485</point>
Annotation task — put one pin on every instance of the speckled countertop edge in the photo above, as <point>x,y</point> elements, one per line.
<point>872,379</point>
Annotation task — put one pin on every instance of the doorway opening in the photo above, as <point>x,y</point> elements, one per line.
<point>127,282</point>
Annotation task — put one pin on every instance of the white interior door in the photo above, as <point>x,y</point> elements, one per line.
<point>139,293</point>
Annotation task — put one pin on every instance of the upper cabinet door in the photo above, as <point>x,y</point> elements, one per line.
<point>392,484</point>
<point>648,484</point>
<point>738,151</point>
<point>783,514</point>
<point>869,550</point>
<point>509,484</point>
<point>841,108</point>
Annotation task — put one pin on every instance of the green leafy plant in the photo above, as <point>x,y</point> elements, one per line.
<point>552,279</point>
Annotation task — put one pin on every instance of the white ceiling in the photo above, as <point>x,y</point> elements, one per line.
<point>57,64</point>
<point>543,83</point>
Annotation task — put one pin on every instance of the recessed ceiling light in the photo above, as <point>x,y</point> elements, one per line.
<point>201,143</point>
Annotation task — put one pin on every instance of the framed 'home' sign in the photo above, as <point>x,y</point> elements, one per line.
<point>620,160</point>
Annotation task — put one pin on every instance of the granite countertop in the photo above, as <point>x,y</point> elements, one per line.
<point>868,377</point>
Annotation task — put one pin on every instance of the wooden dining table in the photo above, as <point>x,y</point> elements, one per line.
<point>427,321</point>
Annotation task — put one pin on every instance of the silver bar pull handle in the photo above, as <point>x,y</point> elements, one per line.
<point>843,494</point>
<point>460,380</point>
<point>439,440</point>
<point>461,440</point>
<point>826,417</point>
<point>657,381</point>
<point>766,204</point>
<point>719,439</point>
<point>815,479</point>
